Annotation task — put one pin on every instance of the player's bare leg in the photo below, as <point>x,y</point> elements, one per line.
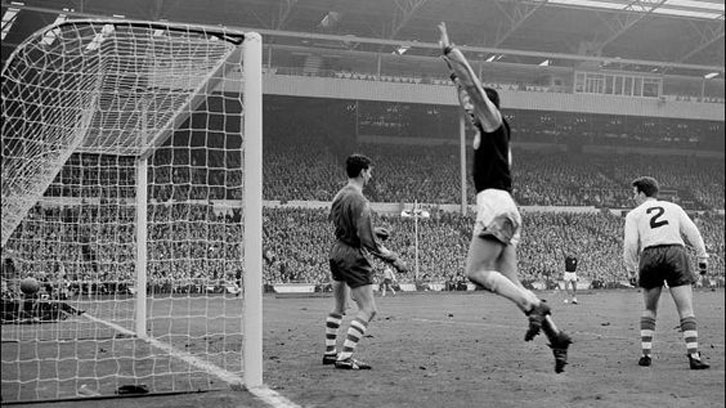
<point>493,265</point>
<point>539,317</point>
<point>363,296</point>
<point>483,268</point>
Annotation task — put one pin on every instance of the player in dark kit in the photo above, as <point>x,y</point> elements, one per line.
<point>492,258</point>
<point>355,239</point>
<point>570,278</point>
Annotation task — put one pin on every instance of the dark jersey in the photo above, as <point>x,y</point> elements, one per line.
<point>570,264</point>
<point>350,213</point>
<point>491,160</point>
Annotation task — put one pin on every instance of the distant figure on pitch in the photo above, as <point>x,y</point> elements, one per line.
<point>389,277</point>
<point>653,244</point>
<point>355,238</point>
<point>570,279</point>
<point>492,258</point>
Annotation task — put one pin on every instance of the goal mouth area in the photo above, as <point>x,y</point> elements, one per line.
<point>128,149</point>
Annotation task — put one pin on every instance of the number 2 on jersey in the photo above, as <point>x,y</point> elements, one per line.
<point>654,222</point>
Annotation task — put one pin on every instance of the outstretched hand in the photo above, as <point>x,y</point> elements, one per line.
<point>444,39</point>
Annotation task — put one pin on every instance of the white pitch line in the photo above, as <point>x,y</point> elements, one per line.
<point>504,326</point>
<point>264,393</point>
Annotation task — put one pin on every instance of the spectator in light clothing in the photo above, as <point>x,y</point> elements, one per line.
<point>389,277</point>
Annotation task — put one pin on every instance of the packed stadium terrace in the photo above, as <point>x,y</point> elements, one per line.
<point>303,160</point>
<point>313,171</point>
<point>194,249</point>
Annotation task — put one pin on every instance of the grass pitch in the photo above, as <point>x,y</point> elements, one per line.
<point>463,350</point>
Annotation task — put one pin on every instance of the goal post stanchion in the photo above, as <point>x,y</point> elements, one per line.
<point>252,146</point>
<point>142,168</point>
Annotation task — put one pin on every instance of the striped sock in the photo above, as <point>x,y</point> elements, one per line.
<point>690,334</point>
<point>332,323</point>
<point>356,331</point>
<point>647,329</point>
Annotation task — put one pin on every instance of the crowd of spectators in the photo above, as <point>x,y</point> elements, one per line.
<point>194,244</point>
<point>196,248</point>
<point>431,174</point>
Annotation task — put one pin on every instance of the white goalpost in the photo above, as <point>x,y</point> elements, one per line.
<point>132,192</point>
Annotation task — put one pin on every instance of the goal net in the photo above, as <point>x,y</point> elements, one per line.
<point>131,176</point>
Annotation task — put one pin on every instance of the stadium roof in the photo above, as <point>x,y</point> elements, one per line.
<point>674,36</point>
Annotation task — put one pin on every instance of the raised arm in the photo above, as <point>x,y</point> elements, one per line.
<point>471,93</point>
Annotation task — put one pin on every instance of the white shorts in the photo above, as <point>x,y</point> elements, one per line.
<point>497,217</point>
<point>570,277</point>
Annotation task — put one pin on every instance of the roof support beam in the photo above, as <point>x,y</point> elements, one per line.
<point>519,13</point>
<point>283,13</point>
<point>405,9</point>
<point>708,34</point>
<point>620,23</point>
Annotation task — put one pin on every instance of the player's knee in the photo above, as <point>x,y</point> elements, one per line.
<point>487,279</point>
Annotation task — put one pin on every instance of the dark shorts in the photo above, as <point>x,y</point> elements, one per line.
<point>667,263</point>
<point>349,265</point>
<point>387,281</point>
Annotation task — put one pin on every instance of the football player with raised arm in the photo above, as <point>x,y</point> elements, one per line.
<point>653,244</point>
<point>355,239</point>
<point>492,257</point>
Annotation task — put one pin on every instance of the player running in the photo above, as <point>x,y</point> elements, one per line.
<point>653,232</point>
<point>355,238</point>
<point>492,258</point>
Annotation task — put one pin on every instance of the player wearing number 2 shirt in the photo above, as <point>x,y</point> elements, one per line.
<point>653,243</point>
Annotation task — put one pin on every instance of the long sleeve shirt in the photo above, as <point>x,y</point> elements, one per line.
<point>654,223</point>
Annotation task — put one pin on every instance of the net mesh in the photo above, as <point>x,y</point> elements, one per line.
<point>84,103</point>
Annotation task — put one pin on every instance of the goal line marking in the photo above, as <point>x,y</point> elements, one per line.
<point>264,393</point>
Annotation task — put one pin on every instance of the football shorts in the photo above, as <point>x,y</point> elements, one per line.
<point>667,263</point>
<point>570,277</point>
<point>350,265</point>
<point>497,217</point>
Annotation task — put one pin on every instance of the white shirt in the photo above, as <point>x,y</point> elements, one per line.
<point>656,222</point>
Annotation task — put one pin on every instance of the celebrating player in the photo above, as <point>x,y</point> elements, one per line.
<point>350,266</point>
<point>492,258</point>
<point>653,233</point>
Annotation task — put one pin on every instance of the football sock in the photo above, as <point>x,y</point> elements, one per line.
<point>550,329</point>
<point>332,323</point>
<point>356,331</point>
<point>690,334</point>
<point>647,329</point>
<point>499,284</point>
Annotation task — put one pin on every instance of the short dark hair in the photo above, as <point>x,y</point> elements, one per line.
<point>493,96</point>
<point>647,185</point>
<point>355,163</point>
